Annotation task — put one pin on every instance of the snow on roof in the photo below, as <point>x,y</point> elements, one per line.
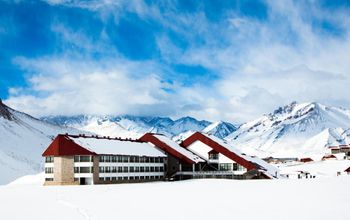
<point>178,148</point>
<point>117,147</point>
<point>270,169</point>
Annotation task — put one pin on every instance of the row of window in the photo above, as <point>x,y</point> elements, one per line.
<point>130,159</point>
<point>83,159</point>
<point>130,178</point>
<point>83,169</point>
<point>230,166</point>
<point>130,169</point>
<point>49,159</point>
<point>48,169</point>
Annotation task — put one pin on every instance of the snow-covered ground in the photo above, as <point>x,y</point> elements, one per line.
<point>328,168</point>
<point>321,199</point>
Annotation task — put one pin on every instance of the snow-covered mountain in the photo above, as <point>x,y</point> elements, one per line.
<point>129,126</point>
<point>294,130</point>
<point>22,141</point>
<point>220,129</point>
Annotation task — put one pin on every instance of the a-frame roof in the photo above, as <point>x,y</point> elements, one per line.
<point>62,145</point>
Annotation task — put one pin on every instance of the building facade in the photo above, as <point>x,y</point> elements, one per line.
<point>74,160</point>
<point>81,159</point>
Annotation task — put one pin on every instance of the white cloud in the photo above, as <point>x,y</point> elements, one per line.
<point>261,64</point>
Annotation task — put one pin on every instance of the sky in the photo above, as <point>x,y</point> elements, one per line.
<point>210,59</point>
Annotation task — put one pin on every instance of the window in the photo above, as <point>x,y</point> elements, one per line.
<point>114,178</point>
<point>156,160</point>
<point>120,169</point>
<point>213,156</point>
<point>125,169</point>
<point>235,166</point>
<point>102,169</point>
<point>131,178</point>
<point>131,169</point>
<point>147,169</point>
<point>114,169</point>
<point>85,170</point>
<point>161,169</point>
<point>142,169</point>
<point>48,179</point>
<point>137,159</point>
<point>120,178</point>
<point>114,159</point>
<point>125,178</point>
<point>49,159</point>
<point>101,179</point>
<point>152,169</point>
<point>125,159</point>
<point>137,169</point>
<point>48,169</point>
<point>151,160</point>
<point>225,166</point>
<point>132,159</point>
<point>107,169</point>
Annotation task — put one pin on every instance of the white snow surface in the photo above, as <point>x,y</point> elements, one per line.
<point>295,130</point>
<point>178,148</point>
<point>118,147</point>
<point>207,199</point>
<point>327,168</point>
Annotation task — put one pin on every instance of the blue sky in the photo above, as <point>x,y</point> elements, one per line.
<point>229,60</point>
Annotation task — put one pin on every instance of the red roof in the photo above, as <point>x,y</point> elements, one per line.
<point>305,160</point>
<point>148,137</point>
<point>63,146</point>
<point>217,147</point>
<point>331,156</point>
<point>347,170</point>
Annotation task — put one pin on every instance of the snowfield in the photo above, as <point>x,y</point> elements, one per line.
<point>325,198</point>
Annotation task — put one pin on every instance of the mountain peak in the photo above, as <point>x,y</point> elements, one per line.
<point>4,111</point>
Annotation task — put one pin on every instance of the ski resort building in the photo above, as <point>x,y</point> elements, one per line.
<point>226,161</point>
<point>81,159</point>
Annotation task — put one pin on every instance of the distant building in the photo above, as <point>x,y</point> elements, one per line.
<point>329,157</point>
<point>306,160</point>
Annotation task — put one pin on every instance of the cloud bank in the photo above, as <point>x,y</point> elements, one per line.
<point>232,65</point>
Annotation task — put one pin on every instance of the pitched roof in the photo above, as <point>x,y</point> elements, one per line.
<point>62,145</point>
<point>229,151</point>
<point>65,145</point>
<point>172,148</point>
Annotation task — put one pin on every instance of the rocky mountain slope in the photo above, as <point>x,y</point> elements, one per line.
<point>22,141</point>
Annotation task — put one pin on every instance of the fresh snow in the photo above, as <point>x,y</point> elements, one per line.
<point>327,168</point>
<point>22,141</point>
<point>296,130</point>
<point>178,148</point>
<point>206,199</point>
<point>111,146</point>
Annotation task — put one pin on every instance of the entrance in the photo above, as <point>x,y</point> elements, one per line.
<point>82,181</point>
